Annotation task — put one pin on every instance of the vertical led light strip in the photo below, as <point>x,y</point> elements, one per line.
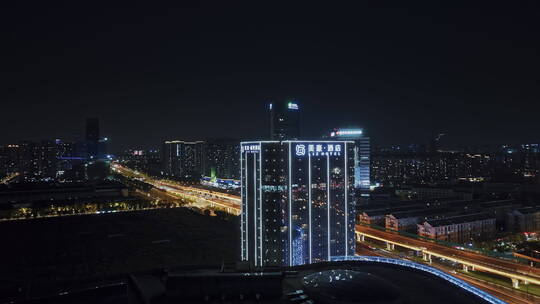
<point>290,208</point>
<point>328,201</point>
<point>242,184</point>
<point>346,207</point>
<point>260,206</point>
<point>247,209</point>
<point>255,207</point>
<point>309,204</point>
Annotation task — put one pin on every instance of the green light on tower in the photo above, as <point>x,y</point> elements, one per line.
<point>292,105</point>
<point>213,176</point>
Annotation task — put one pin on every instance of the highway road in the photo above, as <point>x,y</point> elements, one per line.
<point>197,197</point>
<point>454,252</point>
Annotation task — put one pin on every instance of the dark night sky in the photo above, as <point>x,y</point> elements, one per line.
<point>152,71</point>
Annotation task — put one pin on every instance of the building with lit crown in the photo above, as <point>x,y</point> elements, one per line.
<point>362,153</point>
<point>284,120</point>
<point>297,201</point>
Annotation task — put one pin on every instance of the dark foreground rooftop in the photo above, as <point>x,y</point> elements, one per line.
<point>367,281</point>
<point>47,256</point>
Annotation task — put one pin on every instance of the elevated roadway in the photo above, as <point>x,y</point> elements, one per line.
<point>470,260</point>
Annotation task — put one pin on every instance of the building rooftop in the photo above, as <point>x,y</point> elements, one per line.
<point>363,280</point>
<point>460,219</point>
<point>529,210</point>
<point>421,213</point>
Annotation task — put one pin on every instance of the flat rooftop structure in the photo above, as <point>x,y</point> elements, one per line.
<point>460,219</point>
<point>421,213</point>
<point>528,210</point>
<point>497,203</point>
<point>385,211</point>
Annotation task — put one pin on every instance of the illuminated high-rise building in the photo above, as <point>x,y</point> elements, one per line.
<point>284,120</point>
<point>297,201</point>
<point>221,157</point>
<point>362,154</point>
<point>183,159</point>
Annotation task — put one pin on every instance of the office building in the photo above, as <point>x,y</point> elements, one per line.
<point>362,153</point>
<point>222,157</point>
<point>284,120</point>
<point>297,201</point>
<point>183,159</point>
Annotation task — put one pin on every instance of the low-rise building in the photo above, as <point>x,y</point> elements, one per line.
<point>377,216</point>
<point>459,229</point>
<point>524,220</point>
<point>407,220</point>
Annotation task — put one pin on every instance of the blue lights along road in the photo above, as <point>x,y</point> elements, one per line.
<point>461,284</point>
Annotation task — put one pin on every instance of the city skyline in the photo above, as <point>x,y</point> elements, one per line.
<point>462,70</point>
<point>454,144</point>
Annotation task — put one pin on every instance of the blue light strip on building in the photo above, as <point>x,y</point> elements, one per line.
<point>309,206</point>
<point>461,284</point>
<point>346,207</point>
<point>328,204</point>
<point>255,208</point>
<point>242,208</point>
<point>247,214</point>
<point>290,209</point>
<point>260,208</point>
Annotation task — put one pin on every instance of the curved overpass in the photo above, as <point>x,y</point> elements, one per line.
<point>459,283</point>
<point>515,272</point>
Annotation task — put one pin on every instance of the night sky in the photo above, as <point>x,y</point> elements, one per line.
<point>150,71</point>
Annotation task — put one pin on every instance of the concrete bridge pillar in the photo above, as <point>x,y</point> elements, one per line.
<point>361,238</point>
<point>465,268</point>
<point>426,257</point>
<point>515,283</point>
<point>390,246</point>
<point>525,282</point>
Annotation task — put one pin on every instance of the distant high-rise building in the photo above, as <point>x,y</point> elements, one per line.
<point>28,160</point>
<point>284,120</point>
<point>222,158</point>
<point>362,154</point>
<point>92,129</point>
<point>183,159</point>
<point>92,137</point>
<point>47,156</point>
<point>435,144</point>
<point>297,201</point>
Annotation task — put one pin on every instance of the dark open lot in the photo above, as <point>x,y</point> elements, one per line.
<point>51,255</point>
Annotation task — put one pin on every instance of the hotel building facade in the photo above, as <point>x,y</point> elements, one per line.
<point>298,202</point>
